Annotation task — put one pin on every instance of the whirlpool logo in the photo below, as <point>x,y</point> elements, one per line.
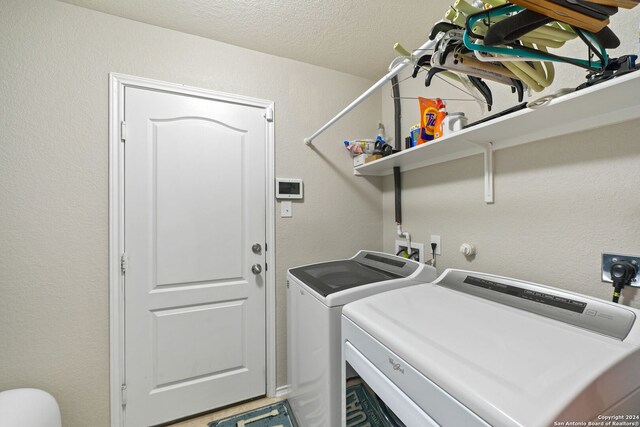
<point>396,366</point>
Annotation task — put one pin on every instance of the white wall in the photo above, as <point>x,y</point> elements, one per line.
<point>54,65</point>
<point>558,205</point>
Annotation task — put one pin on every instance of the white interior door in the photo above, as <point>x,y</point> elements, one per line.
<point>194,207</point>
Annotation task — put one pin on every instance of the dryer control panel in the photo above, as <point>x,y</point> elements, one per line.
<point>578,310</point>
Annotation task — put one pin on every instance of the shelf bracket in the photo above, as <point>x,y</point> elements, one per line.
<point>488,170</point>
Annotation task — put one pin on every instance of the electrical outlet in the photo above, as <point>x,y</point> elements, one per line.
<point>609,259</point>
<point>402,244</point>
<point>436,239</point>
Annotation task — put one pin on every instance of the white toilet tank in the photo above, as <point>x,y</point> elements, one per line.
<point>28,407</point>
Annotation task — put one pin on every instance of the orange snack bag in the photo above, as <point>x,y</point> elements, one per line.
<point>429,109</point>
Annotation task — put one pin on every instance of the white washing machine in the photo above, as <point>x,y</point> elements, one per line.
<point>473,349</point>
<point>315,296</point>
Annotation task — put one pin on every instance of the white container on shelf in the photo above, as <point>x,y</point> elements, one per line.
<point>453,122</point>
<point>359,159</point>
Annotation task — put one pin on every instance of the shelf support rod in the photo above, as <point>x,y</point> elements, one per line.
<point>393,72</point>
<point>488,170</point>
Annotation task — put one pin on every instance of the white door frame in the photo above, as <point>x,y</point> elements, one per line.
<point>117,83</point>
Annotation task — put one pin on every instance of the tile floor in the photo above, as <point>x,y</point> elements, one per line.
<point>204,420</point>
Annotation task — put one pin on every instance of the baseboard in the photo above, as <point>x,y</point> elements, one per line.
<point>283,391</point>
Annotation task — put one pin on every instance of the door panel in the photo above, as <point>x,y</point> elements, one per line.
<point>194,204</point>
<point>182,355</point>
<point>191,158</point>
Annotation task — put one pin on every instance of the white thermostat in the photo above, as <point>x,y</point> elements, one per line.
<point>288,188</point>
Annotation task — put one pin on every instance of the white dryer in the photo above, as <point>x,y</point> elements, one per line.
<point>473,349</point>
<point>315,296</point>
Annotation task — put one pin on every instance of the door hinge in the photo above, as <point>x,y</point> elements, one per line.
<point>266,267</point>
<point>123,131</point>
<point>268,114</point>
<point>123,394</point>
<point>124,263</point>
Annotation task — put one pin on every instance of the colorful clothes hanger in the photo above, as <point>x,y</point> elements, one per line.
<point>514,49</point>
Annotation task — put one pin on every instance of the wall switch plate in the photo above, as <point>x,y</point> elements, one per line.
<point>402,244</point>
<point>435,239</point>
<point>286,209</point>
<point>608,259</point>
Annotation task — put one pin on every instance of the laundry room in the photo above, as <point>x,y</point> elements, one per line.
<point>149,276</point>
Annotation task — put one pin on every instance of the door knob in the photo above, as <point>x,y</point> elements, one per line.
<point>256,269</point>
<point>256,248</point>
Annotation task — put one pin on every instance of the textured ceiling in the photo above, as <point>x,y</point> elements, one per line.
<point>353,36</point>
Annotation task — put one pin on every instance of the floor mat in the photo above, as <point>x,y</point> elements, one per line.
<point>276,415</point>
<point>363,408</point>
